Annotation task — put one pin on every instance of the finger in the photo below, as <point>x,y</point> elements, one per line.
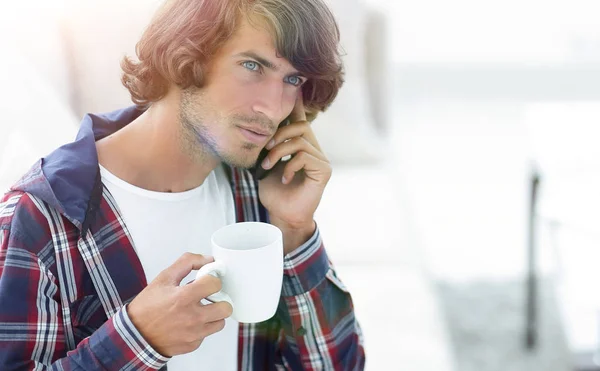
<point>213,327</point>
<point>215,312</point>
<point>296,129</point>
<point>309,135</point>
<point>298,112</point>
<point>314,168</point>
<point>291,147</point>
<point>202,287</point>
<point>182,267</point>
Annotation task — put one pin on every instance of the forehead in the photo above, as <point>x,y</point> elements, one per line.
<point>256,37</point>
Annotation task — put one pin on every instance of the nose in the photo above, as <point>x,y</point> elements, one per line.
<point>269,100</point>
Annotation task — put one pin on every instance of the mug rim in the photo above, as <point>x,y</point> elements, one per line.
<point>271,227</point>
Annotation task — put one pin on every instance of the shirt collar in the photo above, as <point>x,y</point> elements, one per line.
<point>69,177</point>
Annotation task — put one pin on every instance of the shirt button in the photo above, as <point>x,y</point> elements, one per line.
<point>301,331</point>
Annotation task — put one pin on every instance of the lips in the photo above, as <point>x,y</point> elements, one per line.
<point>252,136</point>
<point>256,130</point>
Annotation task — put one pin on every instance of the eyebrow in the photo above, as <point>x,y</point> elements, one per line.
<point>265,62</point>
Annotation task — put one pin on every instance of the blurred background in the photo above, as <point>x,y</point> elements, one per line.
<point>463,213</point>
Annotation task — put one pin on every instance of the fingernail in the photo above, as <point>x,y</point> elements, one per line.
<point>283,180</point>
<point>271,144</point>
<point>266,163</point>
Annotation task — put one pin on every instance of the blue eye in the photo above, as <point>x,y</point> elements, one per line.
<point>252,66</point>
<point>295,80</point>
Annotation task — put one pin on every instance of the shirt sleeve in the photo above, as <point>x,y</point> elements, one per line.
<point>32,335</point>
<point>318,326</point>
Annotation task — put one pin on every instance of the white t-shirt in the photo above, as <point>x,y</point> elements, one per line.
<point>163,226</point>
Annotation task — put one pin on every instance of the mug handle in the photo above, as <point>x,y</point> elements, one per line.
<point>216,269</point>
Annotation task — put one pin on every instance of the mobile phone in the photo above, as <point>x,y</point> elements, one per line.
<point>258,171</point>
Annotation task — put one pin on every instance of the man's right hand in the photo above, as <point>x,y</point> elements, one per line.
<point>170,317</point>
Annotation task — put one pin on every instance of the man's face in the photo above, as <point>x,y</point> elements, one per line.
<point>248,91</point>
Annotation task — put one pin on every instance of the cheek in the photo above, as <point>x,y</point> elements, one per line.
<point>230,97</point>
<point>243,95</point>
<point>289,97</point>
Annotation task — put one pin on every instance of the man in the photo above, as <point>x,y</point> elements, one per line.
<point>84,231</point>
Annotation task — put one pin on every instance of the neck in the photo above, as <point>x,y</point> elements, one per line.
<point>150,152</point>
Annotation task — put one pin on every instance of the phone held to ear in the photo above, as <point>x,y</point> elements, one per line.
<point>258,171</point>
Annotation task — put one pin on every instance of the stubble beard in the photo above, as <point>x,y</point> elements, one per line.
<point>197,141</point>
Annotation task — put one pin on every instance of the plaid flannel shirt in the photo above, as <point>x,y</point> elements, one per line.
<point>68,268</point>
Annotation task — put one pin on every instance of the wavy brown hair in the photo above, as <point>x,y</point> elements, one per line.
<point>183,35</point>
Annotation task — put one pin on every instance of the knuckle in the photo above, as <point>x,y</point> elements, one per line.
<point>301,124</point>
<point>186,256</point>
<point>274,153</point>
<point>298,141</point>
<point>306,129</point>
<point>297,161</point>
<point>226,309</point>
<point>161,277</point>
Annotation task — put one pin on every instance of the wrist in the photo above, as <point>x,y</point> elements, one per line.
<point>294,236</point>
<point>134,318</point>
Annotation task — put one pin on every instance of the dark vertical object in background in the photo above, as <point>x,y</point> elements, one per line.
<point>531,332</point>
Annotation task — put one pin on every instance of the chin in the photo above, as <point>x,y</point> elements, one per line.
<point>245,160</point>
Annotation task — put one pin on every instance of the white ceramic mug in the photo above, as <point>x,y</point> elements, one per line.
<point>249,262</point>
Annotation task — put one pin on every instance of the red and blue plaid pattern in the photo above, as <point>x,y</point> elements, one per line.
<point>68,268</point>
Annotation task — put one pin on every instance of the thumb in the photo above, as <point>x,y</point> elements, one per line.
<point>182,267</point>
